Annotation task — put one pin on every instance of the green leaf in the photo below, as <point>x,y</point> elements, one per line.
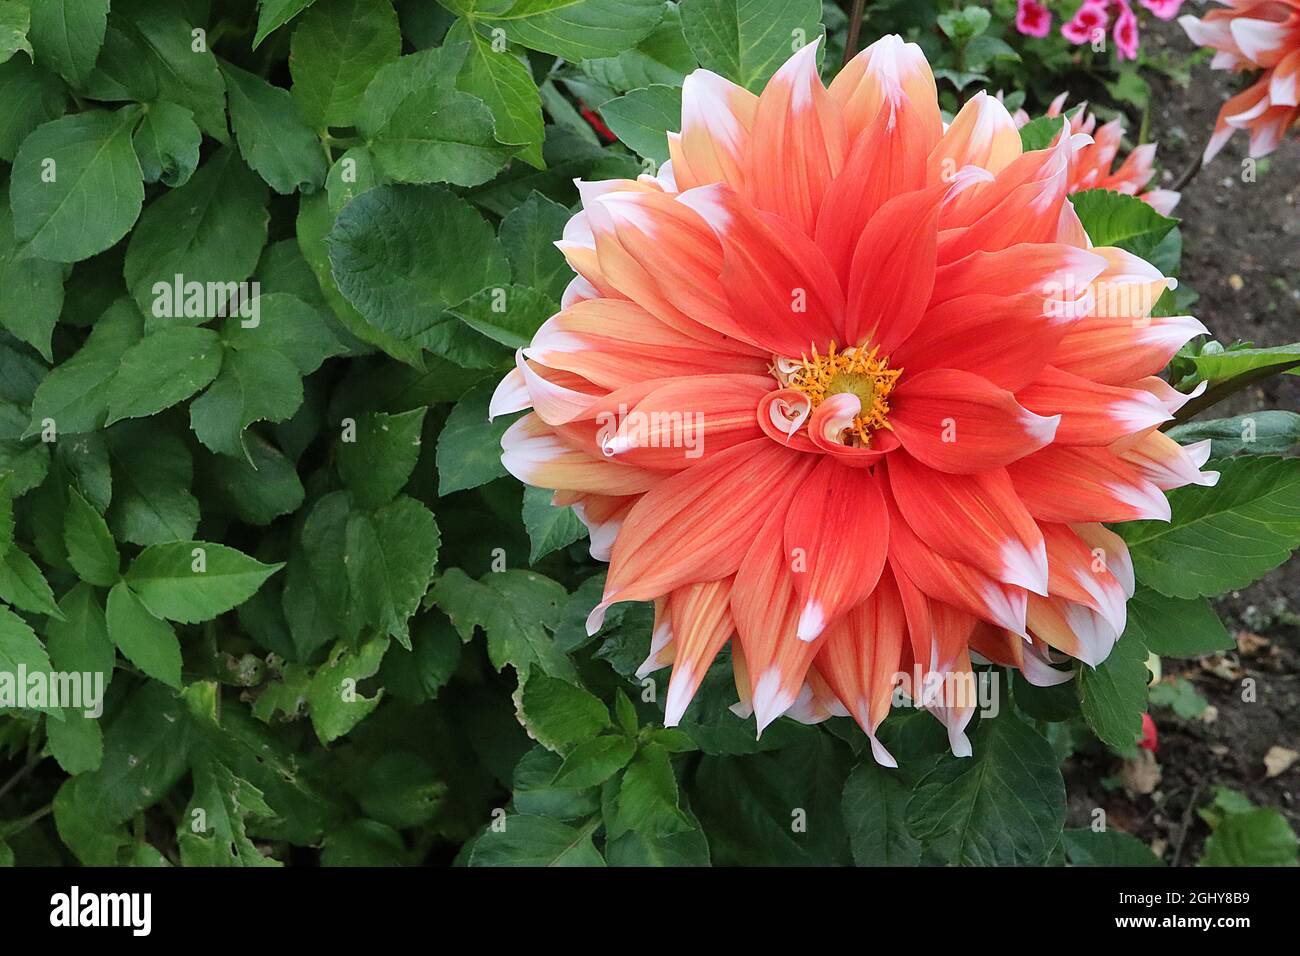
<point>352,174</point>
<point>19,646</point>
<point>337,48</point>
<point>403,254</point>
<point>76,185</point>
<point>257,489</point>
<point>1113,695</point>
<point>469,447</point>
<point>314,223</point>
<point>167,144</point>
<point>15,21</point>
<point>1172,627</point>
<point>210,232</point>
<point>748,40</point>
<point>510,315</point>
<point>401,790</point>
<point>528,234</point>
<point>290,326</point>
<point>574,29</point>
<point>648,798</point>
<point>67,34</point>
<point>379,459</point>
<point>1040,133</point>
<point>1222,537</point>
<point>146,752</point>
<point>273,14</point>
<point>391,555</point>
<point>162,369</point>
<point>662,56</point>
<point>421,130</point>
<point>559,715</point>
<point>75,394</point>
<point>685,848</point>
<point>592,762</point>
<point>32,96</point>
<point>1086,847</point>
<point>213,829</point>
<point>875,814</point>
<point>193,581</point>
<point>31,291</point>
<point>1260,433</point>
<point>502,81</point>
<point>91,549</point>
<point>518,610</point>
<point>1254,838</point>
<point>152,472</point>
<point>337,705</point>
<point>549,528</point>
<point>642,117</point>
<point>76,742</point>
<point>1216,366</point>
<point>1114,219</point>
<point>144,640</point>
<point>272,136</point>
<point>23,585</point>
<point>1003,806</point>
<point>79,641</point>
<point>189,76</point>
<point>254,385</point>
<point>535,841</point>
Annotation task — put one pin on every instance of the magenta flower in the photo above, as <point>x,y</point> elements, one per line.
<point>1164,9</point>
<point>1090,20</point>
<point>1033,18</point>
<point>1126,32</point>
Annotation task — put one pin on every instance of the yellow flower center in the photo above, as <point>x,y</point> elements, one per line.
<point>855,371</point>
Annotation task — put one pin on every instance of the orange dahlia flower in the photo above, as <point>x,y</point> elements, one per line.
<point>853,392</point>
<point>1254,35</point>
<point>1090,167</point>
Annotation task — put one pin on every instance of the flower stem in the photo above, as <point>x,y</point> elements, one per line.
<point>855,27</point>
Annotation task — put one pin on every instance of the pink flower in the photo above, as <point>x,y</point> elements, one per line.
<point>1164,9</point>
<point>1126,33</point>
<point>1088,20</point>
<point>1032,18</point>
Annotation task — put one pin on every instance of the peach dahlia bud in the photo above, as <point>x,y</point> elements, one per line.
<point>853,393</point>
<point>1250,36</point>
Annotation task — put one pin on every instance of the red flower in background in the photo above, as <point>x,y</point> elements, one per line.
<point>1148,739</point>
<point>1033,18</point>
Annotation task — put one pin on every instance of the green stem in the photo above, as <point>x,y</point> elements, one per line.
<point>1229,386</point>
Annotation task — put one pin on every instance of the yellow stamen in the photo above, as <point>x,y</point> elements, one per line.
<point>856,372</point>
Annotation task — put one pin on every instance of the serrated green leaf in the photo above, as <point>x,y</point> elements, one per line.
<point>272,137</point>
<point>748,40</point>
<point>336,704</point>
<point>66,35</point>
<point>1173,627</point>
<point>146,641</point>
<point>391,554</point>
<point>403,254</point>
<point>162,369</point>
<point>379,459</point>
<point>337,48</point>
<point>76,185</point>
<point>528,235</point>
<point>91,549</point>
<point>1222,537</point>
<point>24,586</point>
<point>273,14</point>
<point>193,581</point>
<point>642,117</point>
<point>558,714</point>
<point>1260,433</point>
<point>152,472</point>
<point>31,291</point>
<point>875,815</point>
<point>32,96</point>
<point>469,447</point>
<point>574,29</point>
<point>518,610</point>
<point>1113,695</point>
<point>254,385</point>
<point>592,762</point>
<point>535,841</point>
<point>1003,806</point>
<point>1253,838</point>
<point>503,82</point>
<point>210,232</point>
<point>1114,219</point>
<point>549,528</point>
<point>1087,847</point>
<point>167,144</point>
